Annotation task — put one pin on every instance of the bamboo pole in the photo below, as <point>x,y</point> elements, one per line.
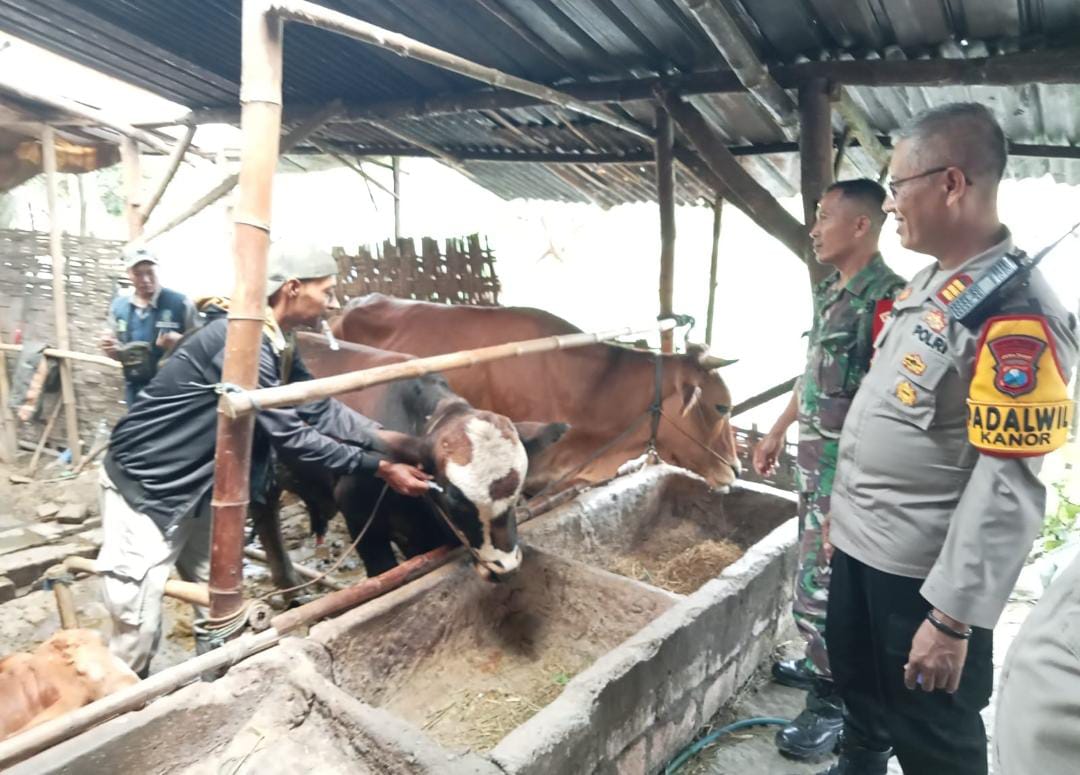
<point>67,380</point>
<point>44,436</point>
<point>764,397</point>
<point>260,124</point>
<point>396,162</point>
<point>171,167</point>
<point>665,197</point>
<point>9,448</point>
<point>324,18</point>
<point>228,183</point>
<point>129,159</point>
<point>815,158</point>
<point>239,404</point>
<point>52,352</point>
<point>718,211</point>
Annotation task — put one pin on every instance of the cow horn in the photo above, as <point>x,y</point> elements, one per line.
<point>710,362</point>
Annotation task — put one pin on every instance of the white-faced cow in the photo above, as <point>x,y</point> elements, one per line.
<point>603,391</point>
<point>478,459</point>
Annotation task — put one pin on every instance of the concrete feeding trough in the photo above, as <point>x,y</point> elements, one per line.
<point>566,668</point>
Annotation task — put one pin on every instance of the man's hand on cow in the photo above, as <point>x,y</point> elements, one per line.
<point>936,660</point>
<point>766,452</point>
<point>403,478</point>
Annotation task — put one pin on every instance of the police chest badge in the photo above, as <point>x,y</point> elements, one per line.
<point>1018,404</point>
<point>905,392</point>
<point>914,363</point>
<point>936,320</point>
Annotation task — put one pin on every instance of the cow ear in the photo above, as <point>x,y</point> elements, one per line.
<point>538,436</point>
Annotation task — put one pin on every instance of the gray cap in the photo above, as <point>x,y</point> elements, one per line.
<point>302,262</point>
<point>137,255</point>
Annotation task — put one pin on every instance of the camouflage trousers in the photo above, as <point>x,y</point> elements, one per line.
<point>812,580</point>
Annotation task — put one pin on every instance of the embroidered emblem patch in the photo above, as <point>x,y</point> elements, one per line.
<point>953,287</point>
<point>882,313</point>
<point>914,363</point>
<point>936,319</point>
<point>904,293</point>
<point>1016,360</point>
<point>905,391</point>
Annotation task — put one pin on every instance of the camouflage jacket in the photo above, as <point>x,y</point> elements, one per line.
<point>838,356</point>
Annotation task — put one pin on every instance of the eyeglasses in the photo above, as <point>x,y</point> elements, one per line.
<point>893,185</point>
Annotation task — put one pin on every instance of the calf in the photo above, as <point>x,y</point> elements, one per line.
<point>478,459</point>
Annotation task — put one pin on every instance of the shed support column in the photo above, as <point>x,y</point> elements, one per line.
<point>718,211</point>
<point>665,195</point>
<point>63,341</point>
<point>129,158</point>
<point>260,124</point>
<point>396,166</point>
<point>815,156</point>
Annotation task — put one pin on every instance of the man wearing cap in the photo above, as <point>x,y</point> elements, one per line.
<point>159,471</point>
<point>146,325</point>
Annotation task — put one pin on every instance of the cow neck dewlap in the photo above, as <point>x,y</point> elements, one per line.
<point>494,456</point>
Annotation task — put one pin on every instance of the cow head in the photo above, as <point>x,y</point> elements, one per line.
<point>479,461</point>
<point>706,442</point>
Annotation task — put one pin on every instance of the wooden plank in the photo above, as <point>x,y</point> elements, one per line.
<point>718,211</point>
<point>665,196</point>
<point>815,157</point>
<point>129,159</point>
<point>67,381</point>
<point>8,446</point>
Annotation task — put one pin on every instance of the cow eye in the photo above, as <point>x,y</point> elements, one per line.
<point>722,409</point>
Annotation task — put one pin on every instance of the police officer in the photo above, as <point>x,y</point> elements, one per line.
<point>159,471</point>
<point>1038,713</point>
<point>848,306</point>
<point>936,499</point>
<point>146,325</point>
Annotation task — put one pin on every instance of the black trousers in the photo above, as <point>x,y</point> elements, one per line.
<point>871,620</point>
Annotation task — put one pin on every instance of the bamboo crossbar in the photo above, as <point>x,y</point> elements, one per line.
<point>70,355</point>
<point>334,21</point>
<point>237,404</point>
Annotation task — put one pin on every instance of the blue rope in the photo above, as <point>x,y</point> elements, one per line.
<point>687,753</point>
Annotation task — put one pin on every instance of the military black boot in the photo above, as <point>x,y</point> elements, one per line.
<point>794,673</point>
<point>857,760</point>
<point>814,733</point>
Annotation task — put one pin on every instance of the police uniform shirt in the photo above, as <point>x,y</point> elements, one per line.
<point>914,496</point>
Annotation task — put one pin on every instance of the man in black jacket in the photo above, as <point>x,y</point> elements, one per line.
<point>159,472</point>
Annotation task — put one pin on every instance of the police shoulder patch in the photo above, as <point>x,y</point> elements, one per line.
<point>1018,402</point>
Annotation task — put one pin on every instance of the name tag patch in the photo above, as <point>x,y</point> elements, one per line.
<point>1018,403</point>
<point>930,339</point>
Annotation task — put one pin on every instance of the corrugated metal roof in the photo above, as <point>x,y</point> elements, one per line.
<point>190,52</point>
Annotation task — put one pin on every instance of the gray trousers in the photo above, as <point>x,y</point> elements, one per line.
<point>135,561</point>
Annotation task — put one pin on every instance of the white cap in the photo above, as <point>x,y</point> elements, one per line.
<point>137,255</point>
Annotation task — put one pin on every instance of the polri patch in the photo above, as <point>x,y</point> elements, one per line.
<point>936,319</point>
<point>914,363</point>
<point>930,339</point>
<point>905,392</point>
<point>1018,401</point>
<point>953,287</point>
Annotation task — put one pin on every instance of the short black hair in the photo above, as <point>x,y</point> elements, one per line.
<point>865,192</point>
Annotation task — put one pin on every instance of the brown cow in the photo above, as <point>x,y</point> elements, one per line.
<point>602,391</point>
<point>71,669</point>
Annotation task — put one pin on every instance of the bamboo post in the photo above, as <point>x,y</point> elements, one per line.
<point>52,352</point>
<point>815,157</point>
<point>129,158</point>
<point>44,436</point>
<point>718,211</point>
<point>665,197</point>
<point>9,447</point>
<point>171,167</point>
<point>67,380</point>
<point>396,162</point>
<point>248,402</point>
<point>260,124</point>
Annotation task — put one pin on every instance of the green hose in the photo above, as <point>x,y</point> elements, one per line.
<point>685,754</point>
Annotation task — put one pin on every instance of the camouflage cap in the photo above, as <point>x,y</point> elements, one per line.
<point>302,262</point>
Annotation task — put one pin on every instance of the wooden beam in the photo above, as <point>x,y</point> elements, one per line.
<point>724,32</point>
<point>764,397</point>
<point>841,150</point>
<point>718,211</point>
<point>815,157</point>
<point>63,340</point>
<point>860,127</point>
<point>737,184</point>
<point>9,447</point>
<point>173,164</point>
<point>228,183</point>
<point>317,16</point>
<point>396,161</point>
<point>132,175</point>
<point>665,197</point>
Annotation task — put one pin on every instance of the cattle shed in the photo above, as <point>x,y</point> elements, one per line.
<point>601,101</point>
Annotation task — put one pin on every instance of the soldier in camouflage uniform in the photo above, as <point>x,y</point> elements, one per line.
<point>848,309</point>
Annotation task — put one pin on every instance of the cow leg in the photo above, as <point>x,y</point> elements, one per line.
<point>266,519</point>
<point>356,499</point>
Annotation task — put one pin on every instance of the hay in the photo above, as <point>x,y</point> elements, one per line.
<point>682,572</point>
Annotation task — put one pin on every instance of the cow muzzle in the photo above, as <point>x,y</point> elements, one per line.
<point>495,565</point>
